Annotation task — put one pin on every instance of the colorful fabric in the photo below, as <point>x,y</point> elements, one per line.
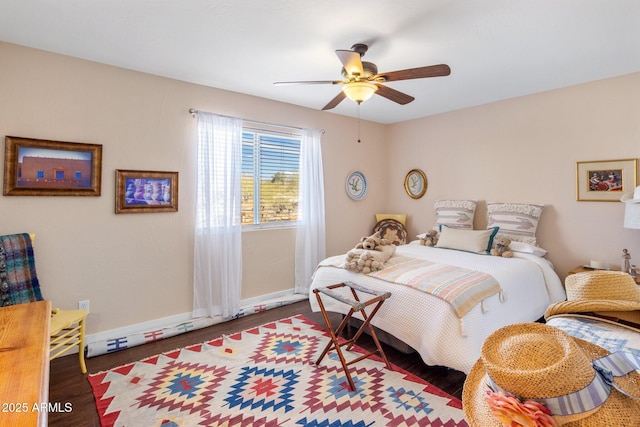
<point>463,289</point>
<point>18,280</point>
<point>267,376</point>
<point>608,335</point>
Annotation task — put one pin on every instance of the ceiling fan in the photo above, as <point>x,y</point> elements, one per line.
<point>362,80</point>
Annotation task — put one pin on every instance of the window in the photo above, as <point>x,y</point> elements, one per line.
<point>269,177</point>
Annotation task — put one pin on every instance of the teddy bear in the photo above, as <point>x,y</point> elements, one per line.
<point>502,247</point>
<point>365,263</point>
<point>373,242</point>
<point>430,238</point>
<point>369,254</point>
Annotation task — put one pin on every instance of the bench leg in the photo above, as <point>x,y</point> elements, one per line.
<point>334,342</point>
<point>372,332</point>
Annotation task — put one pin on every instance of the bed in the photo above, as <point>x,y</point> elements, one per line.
<point>430,325</point>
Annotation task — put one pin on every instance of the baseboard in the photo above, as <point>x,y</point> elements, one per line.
<point>165,322</point>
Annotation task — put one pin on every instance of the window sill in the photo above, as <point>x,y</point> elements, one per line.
<point>263,227</point>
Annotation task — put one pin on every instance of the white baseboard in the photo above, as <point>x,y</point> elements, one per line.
<point>164,322</point>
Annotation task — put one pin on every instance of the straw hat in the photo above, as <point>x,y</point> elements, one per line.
<point>538,361</point>
<point>613,292</point>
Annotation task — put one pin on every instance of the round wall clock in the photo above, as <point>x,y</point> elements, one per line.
<point>415,183</point>
<point>356,185</point>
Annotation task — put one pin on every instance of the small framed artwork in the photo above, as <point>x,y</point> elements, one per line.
<point>39,167</point>
<point>605,180</point>
<point>146,191</point>
<point>415,183</point>
<point>356,185</point>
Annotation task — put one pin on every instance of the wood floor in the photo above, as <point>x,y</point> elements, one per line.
<point>69,385</point>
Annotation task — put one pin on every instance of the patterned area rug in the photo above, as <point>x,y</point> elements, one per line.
<point>266,376</point>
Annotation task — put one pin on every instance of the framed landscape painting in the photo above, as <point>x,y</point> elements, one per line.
<point>605,180</point>
<point>146,191</point>
<point>38,167</point>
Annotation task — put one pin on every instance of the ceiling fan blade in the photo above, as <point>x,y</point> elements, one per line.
<point>335,101</point>
<point>393,95</point>
<point>351,62</point>
<point>417,73</point>
<point>311,82</point>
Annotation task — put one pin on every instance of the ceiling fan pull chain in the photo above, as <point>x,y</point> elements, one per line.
<point>359,122</point>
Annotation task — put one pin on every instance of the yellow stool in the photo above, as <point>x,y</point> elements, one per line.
<point>67,332</point>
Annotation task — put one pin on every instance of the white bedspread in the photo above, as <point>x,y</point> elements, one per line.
<point>429,325</point>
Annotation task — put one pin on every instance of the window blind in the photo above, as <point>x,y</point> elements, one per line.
<point>270,169</point>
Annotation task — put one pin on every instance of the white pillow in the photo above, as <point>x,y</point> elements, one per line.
<point>527,248</point>
<point>478,241</point>
<point>454,214</point>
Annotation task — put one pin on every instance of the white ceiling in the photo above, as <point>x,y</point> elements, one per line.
<point>497,49</point>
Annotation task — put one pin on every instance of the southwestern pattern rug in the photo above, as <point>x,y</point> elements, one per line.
<point>266,376</point>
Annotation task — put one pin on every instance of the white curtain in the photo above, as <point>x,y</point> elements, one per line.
<point>218,233</point>
<point>310,233</point>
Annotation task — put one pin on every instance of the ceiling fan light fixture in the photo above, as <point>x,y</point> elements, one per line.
<point>359,91</point>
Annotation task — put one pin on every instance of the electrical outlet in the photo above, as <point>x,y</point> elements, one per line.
<point>83,305</point>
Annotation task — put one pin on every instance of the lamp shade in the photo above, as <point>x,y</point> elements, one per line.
<point>632,215</point>
<point>632,209</point>
<point>359,91</point>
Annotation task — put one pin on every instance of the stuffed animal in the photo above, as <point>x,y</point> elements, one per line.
<point>369,255</point>
<point>363,262</point>
<point>502,247</point>
<point>430,238</point>
<point>373,242</point>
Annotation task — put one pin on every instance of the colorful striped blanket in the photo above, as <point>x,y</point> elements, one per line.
<point>462,288</point>
<point>18,270</point>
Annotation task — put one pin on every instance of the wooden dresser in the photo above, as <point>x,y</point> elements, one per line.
<point>24,364</point>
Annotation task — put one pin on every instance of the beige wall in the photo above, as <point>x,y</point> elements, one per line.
<point>138,267</point>
<point>525,150</point>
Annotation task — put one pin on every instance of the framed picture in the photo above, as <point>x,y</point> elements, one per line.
<point>415,183</point>
<point>146,191</point>
<point>38,167</point>
<point>356,185</point>
<point>605,180</point>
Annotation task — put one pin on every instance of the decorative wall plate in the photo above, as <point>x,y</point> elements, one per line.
<point>356,185</point>
<point>415,183</point>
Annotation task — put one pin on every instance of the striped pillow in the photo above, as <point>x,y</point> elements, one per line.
<point>454,214</point>
<point>517,221</point>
